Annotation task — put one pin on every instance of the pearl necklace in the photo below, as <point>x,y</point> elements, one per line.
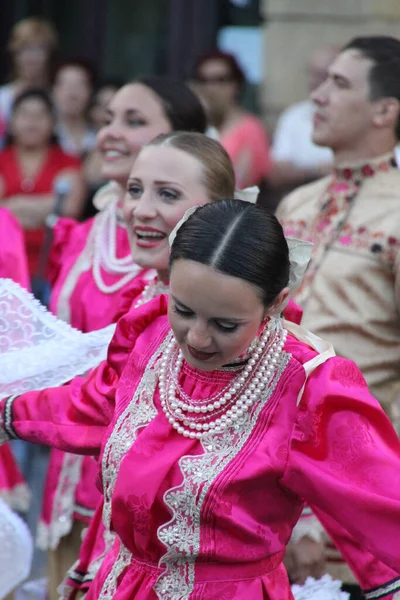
<point>195,419</point>
<point>154,288</point>
<point>105,252</point>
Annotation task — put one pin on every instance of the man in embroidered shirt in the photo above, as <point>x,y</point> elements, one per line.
<point>351,293</point>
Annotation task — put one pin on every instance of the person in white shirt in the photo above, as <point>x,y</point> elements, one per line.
<point>296,159</point>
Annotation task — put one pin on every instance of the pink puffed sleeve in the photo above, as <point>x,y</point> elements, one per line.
<point>74,417</point>
<point>344,460</point>
<point>13,262</point>
<point>63,235</point>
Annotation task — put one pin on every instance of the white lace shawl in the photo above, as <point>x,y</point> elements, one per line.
<point>37,350</point>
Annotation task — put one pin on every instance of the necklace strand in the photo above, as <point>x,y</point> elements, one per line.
<point>105,253</point>
<point>195,419</point>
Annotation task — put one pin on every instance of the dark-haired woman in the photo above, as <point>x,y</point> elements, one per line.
<point>72,92</point>
<point>215,421</point>
<point>220,81</point>
<point>30,167</point>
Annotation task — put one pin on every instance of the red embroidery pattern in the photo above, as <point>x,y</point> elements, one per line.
<point>330,225</point>
<point>347,374</point>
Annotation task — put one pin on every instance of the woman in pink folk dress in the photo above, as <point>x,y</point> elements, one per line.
<point>13,265</point>
<point>91,269</point>
<point>148,204</point>
<point>214,421</point>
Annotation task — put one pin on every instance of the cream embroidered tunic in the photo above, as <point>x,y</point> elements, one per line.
<point>351,294</point>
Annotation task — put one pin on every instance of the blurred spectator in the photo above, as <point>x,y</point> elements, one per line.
<point>31,165</point>
<point>72,92</point>
<point>98,114</point>
<point>31,46</point>
<point>101,100</point>
<point>296,159</point>
<point>220,81</point>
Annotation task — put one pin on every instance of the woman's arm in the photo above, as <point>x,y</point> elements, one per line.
<point>32,210</point>
<point>73,418</point>
<point>344,460</point>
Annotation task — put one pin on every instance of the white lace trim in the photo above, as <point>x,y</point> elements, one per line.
<point>38,350</point>
<point>384,590</point>
<point>49,536</point>
<point>320,589</point>
<point>65,590</point>
<point>139,413</point>
<point>181,535</point>
<point>17,498</point>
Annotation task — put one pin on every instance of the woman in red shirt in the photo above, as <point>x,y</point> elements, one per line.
<point>30,167</point>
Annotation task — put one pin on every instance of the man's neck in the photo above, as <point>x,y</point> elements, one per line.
<point>366,153</point>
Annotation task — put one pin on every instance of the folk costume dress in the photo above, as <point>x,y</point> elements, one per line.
<point>206,512</point>
<point>90,268</point>
<point>98,539</point>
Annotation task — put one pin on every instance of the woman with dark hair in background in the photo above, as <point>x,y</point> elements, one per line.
<point>215,421</point>
<point>91,269</point>
<point>73,86</point>
<point>30,167</point>
<point>221,80</point>
<point>31,46</point>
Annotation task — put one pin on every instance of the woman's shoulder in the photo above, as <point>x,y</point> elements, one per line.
<point>141,330</point>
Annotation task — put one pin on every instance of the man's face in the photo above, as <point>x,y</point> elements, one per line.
<point>344,113</point>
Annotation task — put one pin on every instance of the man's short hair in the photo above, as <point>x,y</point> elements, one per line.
<point>384,75</point>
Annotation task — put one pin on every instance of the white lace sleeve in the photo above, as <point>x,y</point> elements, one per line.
<point>37,350</point>
<point>16,549</point>
<point>320,589</point>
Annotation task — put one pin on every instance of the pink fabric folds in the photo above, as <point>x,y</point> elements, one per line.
<point>179,504</point>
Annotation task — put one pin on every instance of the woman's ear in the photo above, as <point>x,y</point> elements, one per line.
<point>279,302</point>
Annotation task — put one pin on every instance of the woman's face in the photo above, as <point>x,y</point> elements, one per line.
<point>31,60</point>
<point>72,91</point>
<point>32,124</point>
<point>102,100</point>
<point>134,117</point>
<point>164,183</point>
<point>214,317</point>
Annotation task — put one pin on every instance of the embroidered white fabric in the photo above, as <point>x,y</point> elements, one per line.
<point>37,350</point>
<point>321,589</point>
<point>16,550</point>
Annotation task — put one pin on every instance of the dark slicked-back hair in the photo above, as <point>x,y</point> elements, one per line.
<point>384,76</point>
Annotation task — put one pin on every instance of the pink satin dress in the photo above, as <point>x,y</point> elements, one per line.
<point>70,490</point>
<point>13,265</point>
<point>210,519</point>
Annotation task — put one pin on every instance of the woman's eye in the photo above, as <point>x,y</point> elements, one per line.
<point>226,327</point>
<point>182,313</point>
<point>134,191</point>
<point>136,123</point>
<point>169,194</point>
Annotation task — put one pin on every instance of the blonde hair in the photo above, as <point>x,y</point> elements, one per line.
<point>218,173</point>
<point>32,30</point>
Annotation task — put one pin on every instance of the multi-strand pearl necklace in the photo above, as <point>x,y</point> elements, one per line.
<point>154,288</point>
<point>105,252</point>
<point>197,418</point>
